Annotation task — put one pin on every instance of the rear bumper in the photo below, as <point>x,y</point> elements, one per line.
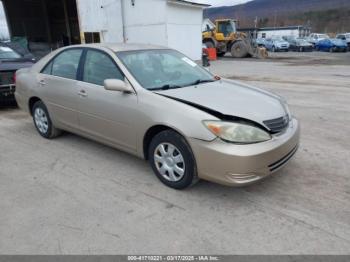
<point>7,92</point>
<point>240,165</point>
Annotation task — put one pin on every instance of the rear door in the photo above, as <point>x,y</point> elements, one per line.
<point>106,115</point>
<point>59,84</point>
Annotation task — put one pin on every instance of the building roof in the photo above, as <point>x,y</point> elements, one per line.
<point>283,28</point>
<point>192,3</point>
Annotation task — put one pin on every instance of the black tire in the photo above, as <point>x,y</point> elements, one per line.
<point>221,54</point>
<point>301,49</point>
<point>51,131</point>
<point>189,177</point>
<point>7,102</point>
<point>274,50</point>
<point>239,50</point>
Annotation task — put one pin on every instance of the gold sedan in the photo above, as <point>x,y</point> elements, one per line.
<point>158,104</point>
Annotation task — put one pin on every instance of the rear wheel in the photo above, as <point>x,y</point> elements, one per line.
<point>239,50</point>
<point>42,121</point>
<point>221,54</point>
<point>172,160</point>
<point>274,49</point>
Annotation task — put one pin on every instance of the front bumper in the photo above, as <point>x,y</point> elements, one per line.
<point>240,165</point>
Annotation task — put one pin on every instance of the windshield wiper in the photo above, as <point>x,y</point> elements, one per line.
<point>165,87</point>
<point>201,81</point>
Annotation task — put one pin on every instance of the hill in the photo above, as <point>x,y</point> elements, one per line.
<point>321,15</point>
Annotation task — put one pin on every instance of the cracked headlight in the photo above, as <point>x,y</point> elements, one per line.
<point>236,132</point>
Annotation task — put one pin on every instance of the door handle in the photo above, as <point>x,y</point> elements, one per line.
<point>82,93</point>
<point>42,82</point>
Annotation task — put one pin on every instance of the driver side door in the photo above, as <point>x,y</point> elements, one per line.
<point>105,115</point>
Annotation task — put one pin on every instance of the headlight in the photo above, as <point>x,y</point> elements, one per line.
<point>237,133</point>
<point>286,108</point>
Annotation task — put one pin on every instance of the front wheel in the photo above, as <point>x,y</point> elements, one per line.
<point>42,121</point>
<point>172,160</point>
<point>273,49</point>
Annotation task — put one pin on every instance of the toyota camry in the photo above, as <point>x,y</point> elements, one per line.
<point>157,104</point>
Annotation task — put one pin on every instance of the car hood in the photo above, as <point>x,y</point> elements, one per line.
<point>231,98</point>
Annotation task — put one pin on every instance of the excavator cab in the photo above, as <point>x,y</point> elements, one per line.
<point>226,28</point>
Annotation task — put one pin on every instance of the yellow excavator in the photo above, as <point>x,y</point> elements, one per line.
<point>224,37</point>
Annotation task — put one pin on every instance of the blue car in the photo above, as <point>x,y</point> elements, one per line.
<point>331,45</point>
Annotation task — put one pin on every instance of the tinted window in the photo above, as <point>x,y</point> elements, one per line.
<point>99,67</point>
<point>66,64</point>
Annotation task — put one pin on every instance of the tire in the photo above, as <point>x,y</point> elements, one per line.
<point>301,50</point>
<point>239,50</point>
<point>7,102</point>
<point>221,54</point>
<point>42,121</point>
<point>274,49</point>
<point>177,155</point>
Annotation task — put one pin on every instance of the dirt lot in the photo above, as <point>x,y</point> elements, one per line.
<point>74,196</point>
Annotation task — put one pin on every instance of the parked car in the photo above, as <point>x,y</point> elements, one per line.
<point>276,44</point>
<point>345,37</point>
<point>300,45</point>
<point>332,45</point>
<point>159,105</point>
<point>314,38</point>
<point>10,62</point>
<point>261,42</point>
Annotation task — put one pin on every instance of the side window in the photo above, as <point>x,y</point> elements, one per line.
<point>99,67</point>
<point>48,69</point>
<point>66,64</point>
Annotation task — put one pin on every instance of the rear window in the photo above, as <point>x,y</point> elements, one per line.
<point>8,53</point>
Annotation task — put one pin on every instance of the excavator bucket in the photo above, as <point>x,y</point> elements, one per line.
<point>254,50</point>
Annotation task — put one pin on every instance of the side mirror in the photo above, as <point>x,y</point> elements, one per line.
<point>117,85</point>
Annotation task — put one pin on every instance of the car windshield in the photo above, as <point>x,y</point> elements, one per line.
<point>163,69</point>
<point>302,41</point>
<point>8,53</point>
<point>337,41</point>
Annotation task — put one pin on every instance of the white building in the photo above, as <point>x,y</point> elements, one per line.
<point>297,31</point>
<point>173,23</point>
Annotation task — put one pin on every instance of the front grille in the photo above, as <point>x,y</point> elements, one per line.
<point>277,125</point>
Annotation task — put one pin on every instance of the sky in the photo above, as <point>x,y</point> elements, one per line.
<point>222,2</point>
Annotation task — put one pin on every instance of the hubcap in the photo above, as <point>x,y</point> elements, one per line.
<point>41,120</point>
<point>169,162</point>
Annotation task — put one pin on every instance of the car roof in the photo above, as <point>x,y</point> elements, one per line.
<point>120,47</point>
